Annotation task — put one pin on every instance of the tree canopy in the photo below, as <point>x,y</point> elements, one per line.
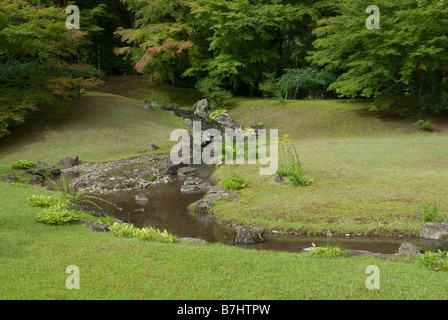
<point>312,49</point>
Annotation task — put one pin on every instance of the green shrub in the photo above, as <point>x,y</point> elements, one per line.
<point>108,220</point>
<point>436,261</point>
<point>233,182</point>
<point>127,230</point>
<point>23,165</point>
<point>56,215</point>
<point>211,88</point>
<point>327,252</point>
<point>45,201</point>
<point>307,82</point>
<point>151,234</point>
<point>270,85</point>
<point>425,125</point>
<point>429,212</point>
<point>281,99</point>
<point>215,114</point>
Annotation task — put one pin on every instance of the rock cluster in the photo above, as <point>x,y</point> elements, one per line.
<point>194,184</point>
<point>127,174</point>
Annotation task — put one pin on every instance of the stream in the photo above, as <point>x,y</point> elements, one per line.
<point>167,209</point>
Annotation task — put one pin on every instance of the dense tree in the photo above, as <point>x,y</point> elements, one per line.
<point>406,56</point>
<point>233,43</point>
<point>159,43</point>
<point>248,38</point>
<point>36,60</point>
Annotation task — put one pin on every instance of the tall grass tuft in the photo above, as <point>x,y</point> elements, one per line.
<point>290,165</point>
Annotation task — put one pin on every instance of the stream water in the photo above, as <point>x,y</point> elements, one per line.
<point>167,209</point>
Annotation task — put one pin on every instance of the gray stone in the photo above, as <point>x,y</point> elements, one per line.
<point>238,127</point>
<point>10,178</point>
<point>172,106</point>
<point>35,171</point>
<point>204,205</point>
<point>69,161</point>
<point>409,249</point>
<point>172,169</point>
<point>216,192</point>
<point>433,230</point>
<point>193,240</point>
<point>194,185</point>
<point>154,147</point>
<point>99,227</point>
<point>42,164</point>
<point>186,171</point>
<point>141,198</point>
<point>279,179</point>
<point>225,120</point>
<point>363,253</point>
<point>201,107</point>
<point>245,235</point>
<point>54,171</point>
<point>148,107</point>
<point>189,189</point>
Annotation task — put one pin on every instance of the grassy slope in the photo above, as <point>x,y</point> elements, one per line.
<point>98,127</point>
<point>371,173</point>
<point>33,257</point>
<point>136,88</point>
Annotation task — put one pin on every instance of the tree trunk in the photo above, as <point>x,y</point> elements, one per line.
<point>251,91</point>
<point>421,81</point>
<point>116,8</point>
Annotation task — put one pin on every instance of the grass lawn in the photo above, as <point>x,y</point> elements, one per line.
<point>103,127</point>
<point>137,87</point>
<point>98,127</point>
<point>371,173</point>
<point>34,257</point>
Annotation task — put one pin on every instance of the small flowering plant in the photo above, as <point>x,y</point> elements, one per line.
<point>290,164</point>
<point>436,261</point>
<point>429,212</point>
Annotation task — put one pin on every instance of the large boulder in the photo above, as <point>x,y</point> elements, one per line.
<point>408,249</point>
<point>201,107</point>
<point>69,161</point>
<point>204,205</point>
<point>433,230</point>
<point>99,227</point>
<point>245,235</point>
<point>225,120</point>
<point>186,171</point>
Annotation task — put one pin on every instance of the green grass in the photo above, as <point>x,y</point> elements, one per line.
<point>97,127</point>
<point>370,173</point>
<point>101,127</point>
<point>34,258</point>
<point>136,87</point>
